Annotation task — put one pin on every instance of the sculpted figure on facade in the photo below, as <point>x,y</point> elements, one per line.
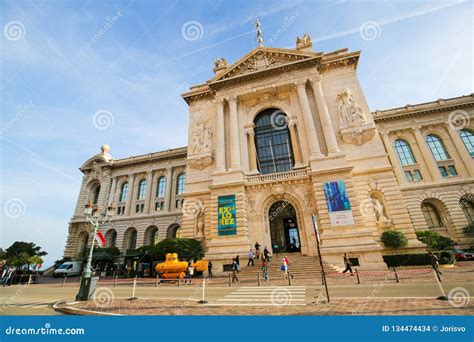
<point>200,222</point>
<point>303,42</point>
<point>201,146</point>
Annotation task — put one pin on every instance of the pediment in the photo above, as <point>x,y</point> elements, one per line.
<point>96,162</point>
<point>260,59</point>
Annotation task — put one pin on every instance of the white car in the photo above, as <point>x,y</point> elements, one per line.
<point>69,268</point>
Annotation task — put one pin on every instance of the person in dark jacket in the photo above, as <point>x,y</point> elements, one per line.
<point>209,268</point>
<point>348,264</point>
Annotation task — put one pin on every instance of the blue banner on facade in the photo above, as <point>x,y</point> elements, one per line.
<point>338,203</point>
<point>240,328</point>
<point>227,222</point>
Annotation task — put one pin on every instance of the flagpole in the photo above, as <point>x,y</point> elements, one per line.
<point>273,157</point>
<point>319,254</point>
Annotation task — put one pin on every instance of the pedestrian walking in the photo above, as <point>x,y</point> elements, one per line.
<point>266,253</point>
<point>5,275</point>
<point>189,274</point>
<point>257,250</point>
<point>237,260</point>
<point>435,263</point>
<point>285,267</point>
<point>209,268</point>
<point>265,270</point>
<point>251,255</point>
<point>235,269</point>
<point>348,264</point>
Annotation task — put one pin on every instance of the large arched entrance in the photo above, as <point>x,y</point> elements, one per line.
<point>284,228</point>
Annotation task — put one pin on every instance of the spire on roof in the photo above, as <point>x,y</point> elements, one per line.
<point>259,31</point>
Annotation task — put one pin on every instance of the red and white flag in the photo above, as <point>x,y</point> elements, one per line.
<point>100,239</point>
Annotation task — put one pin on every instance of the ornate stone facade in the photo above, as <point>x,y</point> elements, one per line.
<point>319,131</point>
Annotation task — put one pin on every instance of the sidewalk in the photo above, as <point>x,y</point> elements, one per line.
<point>338,306</point>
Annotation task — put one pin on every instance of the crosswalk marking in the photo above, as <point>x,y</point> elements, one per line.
<point>26,302</point>
<point>264,296</point>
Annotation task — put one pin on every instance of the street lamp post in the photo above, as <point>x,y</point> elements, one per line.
<point>95,217</point>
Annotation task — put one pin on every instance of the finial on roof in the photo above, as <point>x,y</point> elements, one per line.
<point>259,31</point>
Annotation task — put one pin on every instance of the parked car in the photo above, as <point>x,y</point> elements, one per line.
<point>461,255</point>
<point>69,268</point>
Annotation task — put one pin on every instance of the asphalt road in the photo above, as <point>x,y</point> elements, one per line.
<point>38,300</point>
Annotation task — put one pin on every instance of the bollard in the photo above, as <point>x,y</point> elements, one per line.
<point>357,275</point>
<point>29,280</point>
<point>133,289</point>
<point>203,299</point>
<point>179,280</point>
<point>230,280</point>
<point>443,296</point>
<point>157,279</point>
<point>64,281</point>
<point>258,279</point>
<point>396,275</point>
<point>115,283</point>
<point>289,278</point>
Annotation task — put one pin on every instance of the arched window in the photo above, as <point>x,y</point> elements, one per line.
<point>131,239</point>
<point>468,209</point>
<point>404,152</point>
<point>95,198</point>
<point>173,231</point>
<point>151,236</point>
<point>111,238</point>
<point>180,181</point>
<point>437,147</point>
<point>141,189</point>
<point>432,216</point>
<point>272,141</point>
<point>161,187</point>
<point>468,140</point>
<point>123,192</point>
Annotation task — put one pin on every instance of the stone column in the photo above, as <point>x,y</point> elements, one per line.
<point>461,148</point>
<point>295,143</point>
<point>308,120</point>
<point>426,154</point>
<point>149,189</point>
<point>112,191</point>
<point>220,138</point>
<point>399,173</point>
<point>234,134</point>
<point>328,129</point>
<point>252,150</point>
<point>131,185</point>
<point>169,183</point>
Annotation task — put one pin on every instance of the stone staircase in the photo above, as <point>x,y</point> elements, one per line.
<point>300,266</point>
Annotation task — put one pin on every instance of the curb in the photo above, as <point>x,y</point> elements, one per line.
<point>69,310</point>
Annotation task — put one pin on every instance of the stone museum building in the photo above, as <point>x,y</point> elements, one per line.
<point>283,141</point>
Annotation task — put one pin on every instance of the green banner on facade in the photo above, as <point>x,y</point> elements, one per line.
<point>226,216</point>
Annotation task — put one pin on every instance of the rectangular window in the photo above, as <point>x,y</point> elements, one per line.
<point>137,208</point>
<point>408,176</point>
<point>159,205</point>
<point>452,170</point>
<point>417,175</point>
<point>179,203</point>
<point>443,171</point>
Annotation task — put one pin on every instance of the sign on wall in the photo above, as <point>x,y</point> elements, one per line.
<point>339,207</point>
<point>226,216</point>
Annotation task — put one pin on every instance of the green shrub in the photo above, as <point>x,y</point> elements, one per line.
<point>394,239</point>
<point>444,257</point>
<point>433,240</point>
<point>187,249</point>
<point>469,230</point>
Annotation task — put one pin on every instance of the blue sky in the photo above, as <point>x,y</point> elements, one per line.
<point>129,61</point>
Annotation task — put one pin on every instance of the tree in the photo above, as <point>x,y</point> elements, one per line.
<point>394,239</point>
<point>433,240</point>
<point>19,253</point>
